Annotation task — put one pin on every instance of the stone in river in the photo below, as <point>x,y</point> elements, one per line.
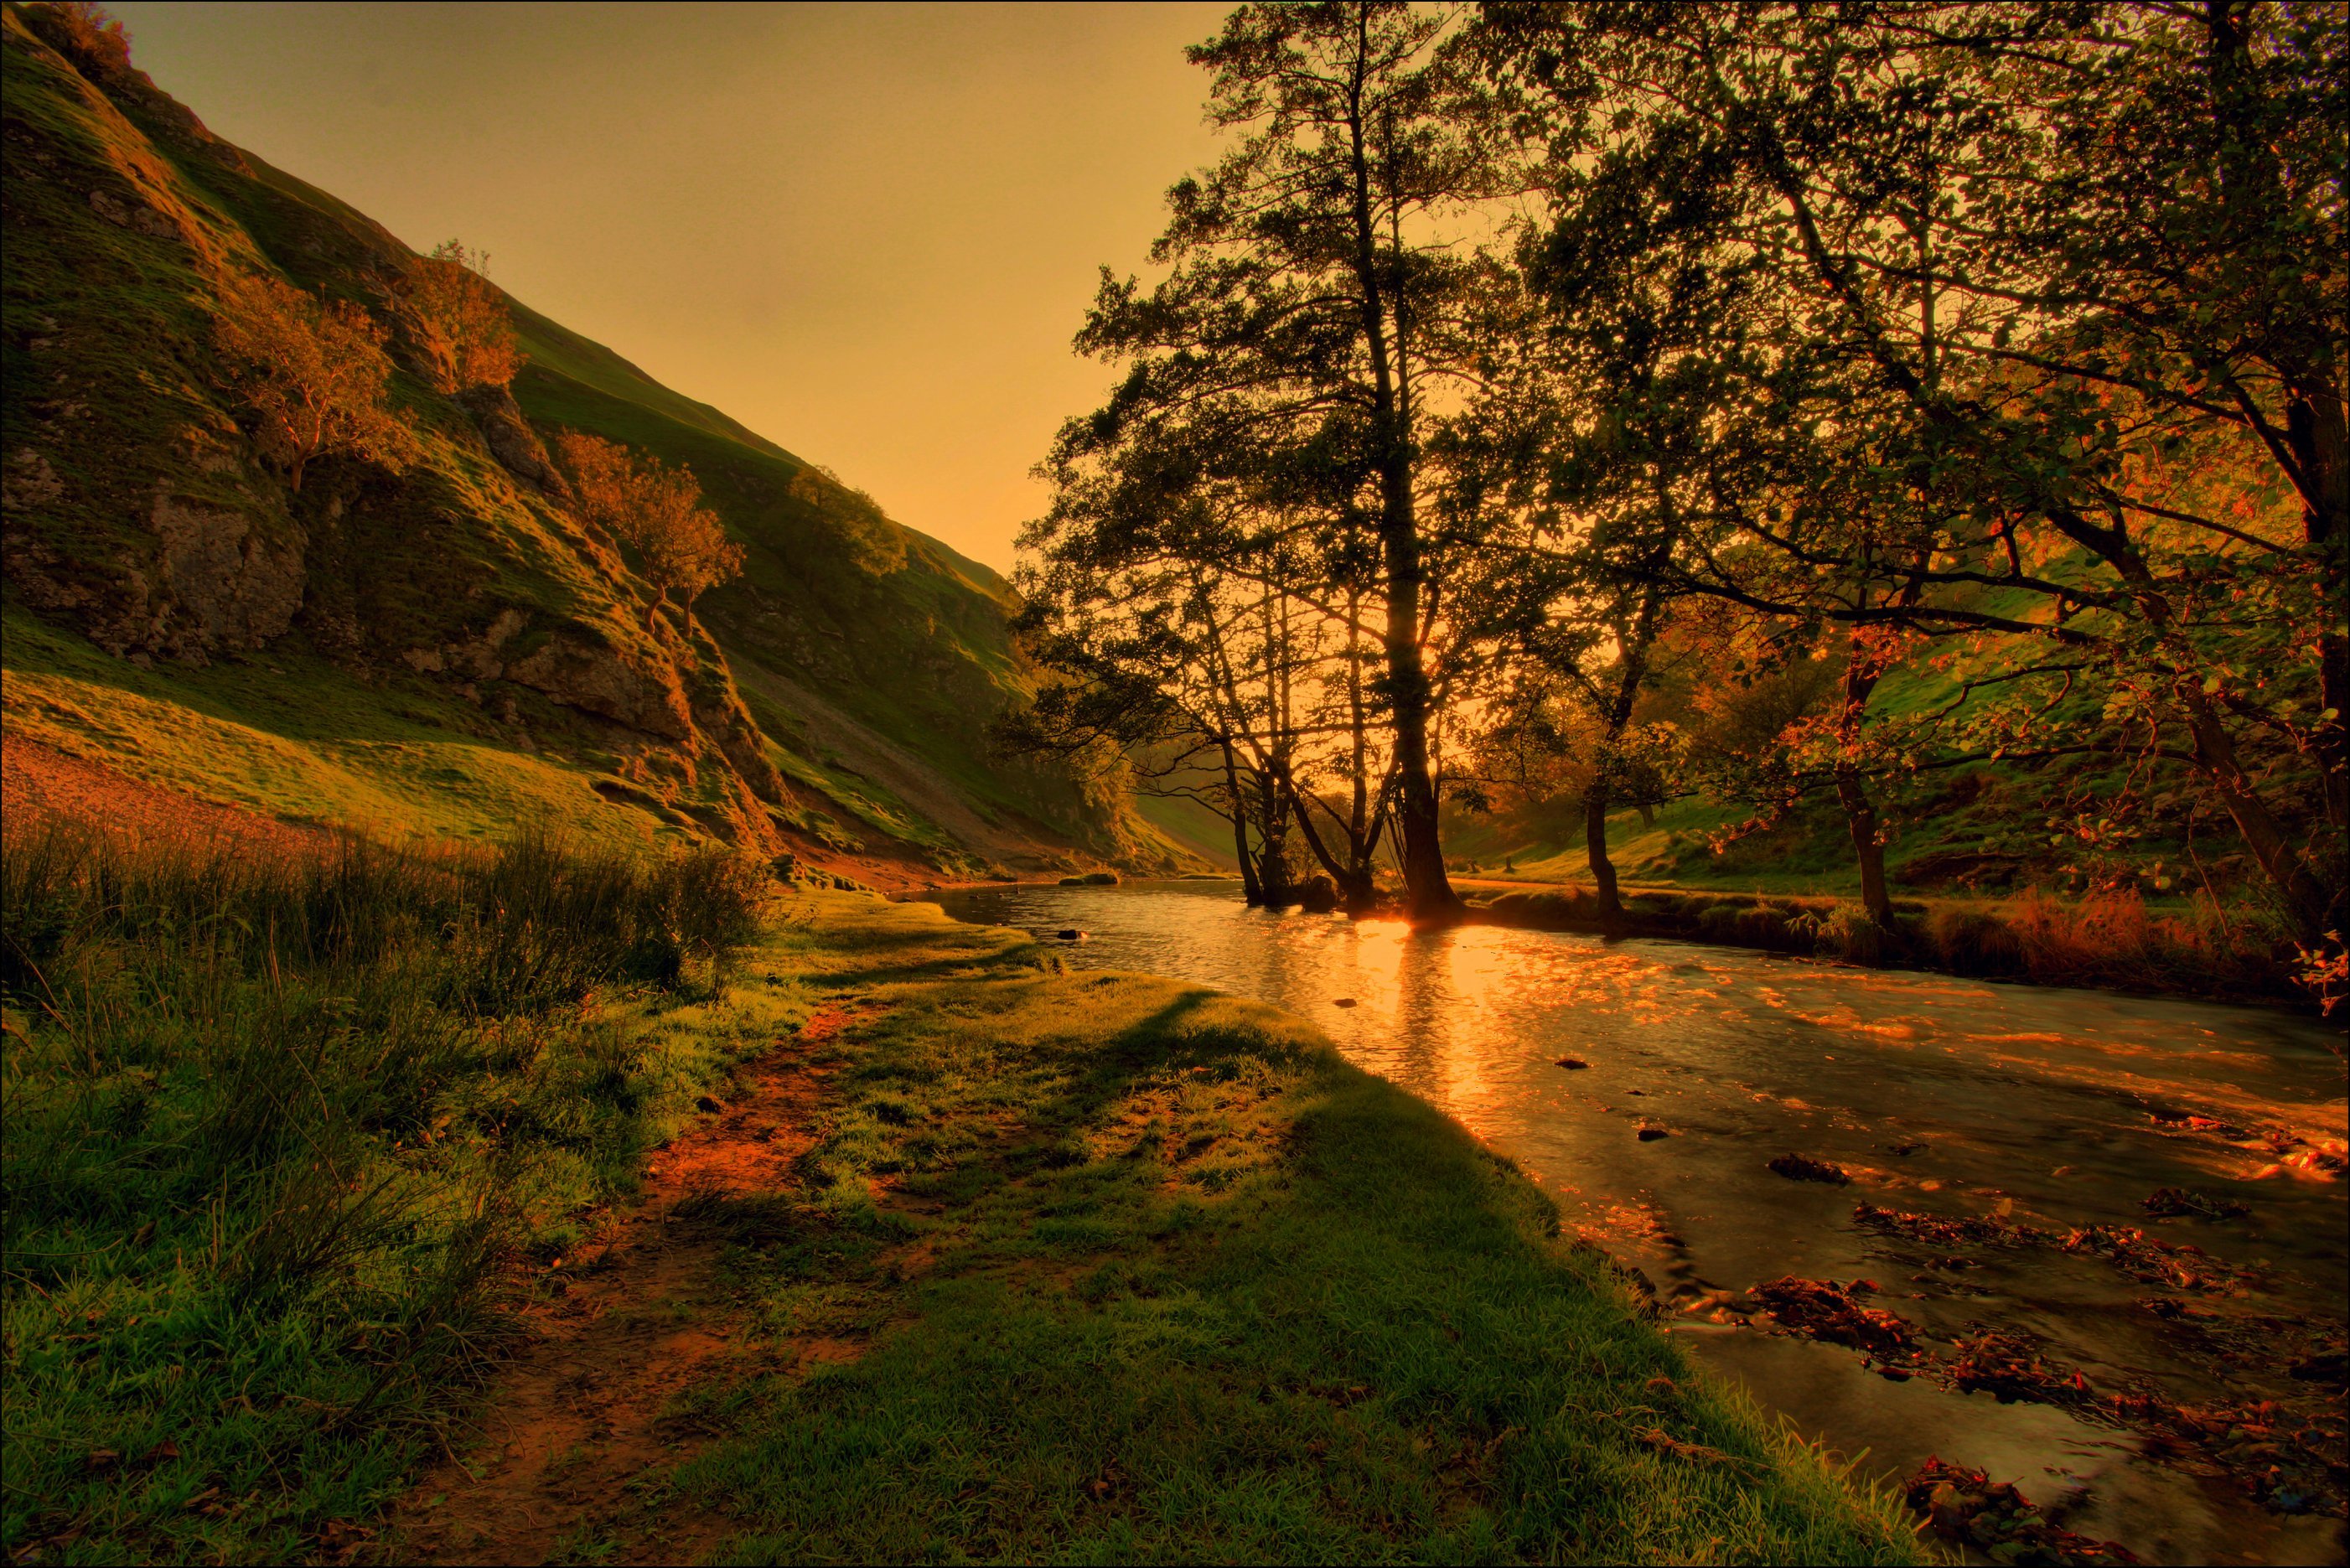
<point>1650,1134</point>
<point>1344,1001</point>
<point>1073,935</point>
<point>1572,1063</point>
<point>1796,1167</point>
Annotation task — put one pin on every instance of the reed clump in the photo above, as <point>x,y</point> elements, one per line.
<point>280,1133</point>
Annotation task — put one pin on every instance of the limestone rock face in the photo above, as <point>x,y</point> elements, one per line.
<point>240,590</point>
<point>511,439</point>
<point>596,680</point>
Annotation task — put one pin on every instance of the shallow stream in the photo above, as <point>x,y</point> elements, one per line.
<point>2044,1111</point>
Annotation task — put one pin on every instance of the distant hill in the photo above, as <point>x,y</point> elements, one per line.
<point>448,649</point>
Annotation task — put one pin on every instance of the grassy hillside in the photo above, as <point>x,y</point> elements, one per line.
<point>444,647</point>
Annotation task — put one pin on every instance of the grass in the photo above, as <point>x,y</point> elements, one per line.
<point>1108,1266</point>
<point>291,734</point>
<point>1134,1271</point>
<point>277,1134</point>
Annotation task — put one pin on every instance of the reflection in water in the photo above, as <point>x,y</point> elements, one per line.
<point>1949,1095</point>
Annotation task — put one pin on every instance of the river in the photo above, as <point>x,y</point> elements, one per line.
<point>2044,1110</point>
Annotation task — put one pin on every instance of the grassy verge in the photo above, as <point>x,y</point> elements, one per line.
<point>278,1136</point>
<point>1111,1268</point>
<point>2113,940</point>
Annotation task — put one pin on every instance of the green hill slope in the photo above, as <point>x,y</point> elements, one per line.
<point>447,648</point>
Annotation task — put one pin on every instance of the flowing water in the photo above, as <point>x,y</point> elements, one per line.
<point>2047,1110</point>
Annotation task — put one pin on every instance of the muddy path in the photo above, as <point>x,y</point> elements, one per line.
<point>577,1439</point>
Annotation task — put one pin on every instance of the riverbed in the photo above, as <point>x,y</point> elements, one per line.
<point>2036,1114</point>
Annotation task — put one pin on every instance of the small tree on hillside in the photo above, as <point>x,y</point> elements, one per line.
<point>656,509</point>
<point>854,519</point>
<point>86,30</point>
<point>311,374</point>
<point>466,317</point>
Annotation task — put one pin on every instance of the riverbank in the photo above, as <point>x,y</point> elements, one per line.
<point>2133,1205</point>
<point>905,1243</point>
<point>2112,943</point>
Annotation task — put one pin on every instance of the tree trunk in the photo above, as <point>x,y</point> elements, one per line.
<point>1860,817</point>
<point>2314,428</point>
<point>1354,877</point>
<point>1852,791</point>
<point>1426,888</point>
<point>2308,902</point>
<point>1603,870</point>
<point>653,609</point>
<point>1273,863</point>
<point>1251,888</point>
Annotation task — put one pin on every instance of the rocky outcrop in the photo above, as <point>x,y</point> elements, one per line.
<point>511,439</point>
<point>239,589</point>
<point>571,670</point>
<point>213,580</point>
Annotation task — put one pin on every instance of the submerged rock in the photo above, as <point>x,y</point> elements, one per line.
<point>1797,1168</point>
<point>2172,1202</point>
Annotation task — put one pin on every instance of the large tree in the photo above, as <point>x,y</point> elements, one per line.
<point>2049,302</point>
<point>311,375</point>
<point>1316,284</point>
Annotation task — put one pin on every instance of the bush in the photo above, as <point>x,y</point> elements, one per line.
<point>84,31</point>
<point>469,331</point>
<point>1973,941</point>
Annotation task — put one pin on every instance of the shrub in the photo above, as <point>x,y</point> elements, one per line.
<point>658,510</point>
<point>311,375</point>
<point>85,31</point>
<point>469,329</point>
<point>1973,941</point>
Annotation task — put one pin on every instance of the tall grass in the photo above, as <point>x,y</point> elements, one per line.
<point>276,1133</point>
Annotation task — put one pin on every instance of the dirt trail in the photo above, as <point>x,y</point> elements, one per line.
<point>574,1441</point>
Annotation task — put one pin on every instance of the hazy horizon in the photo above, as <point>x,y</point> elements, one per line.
<point>866,232</point>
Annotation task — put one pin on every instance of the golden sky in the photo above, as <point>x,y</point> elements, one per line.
<point>866,230</point>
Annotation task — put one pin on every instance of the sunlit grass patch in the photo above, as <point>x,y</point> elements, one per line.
<point>1190,1287</point>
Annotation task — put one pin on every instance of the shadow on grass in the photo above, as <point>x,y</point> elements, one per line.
<point>1178,1283</point>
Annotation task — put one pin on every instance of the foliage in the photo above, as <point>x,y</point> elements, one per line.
<point>855,520</point>
<point>1968,359</point>
<point>310,373</point>
<point>468,327</point>
<point>88,31</point>
<point>657,509</point>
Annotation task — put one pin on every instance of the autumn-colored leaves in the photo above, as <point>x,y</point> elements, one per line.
<point>681,545</point>
<point>314,376</point>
